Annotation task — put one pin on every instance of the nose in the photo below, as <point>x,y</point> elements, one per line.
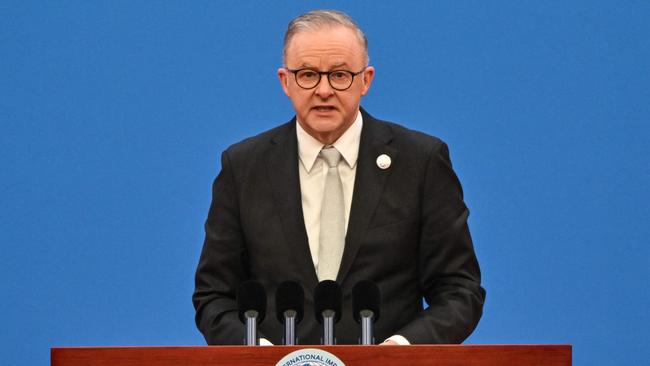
<point>324,89</point>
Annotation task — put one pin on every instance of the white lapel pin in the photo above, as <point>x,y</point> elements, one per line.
<point>383,161</point>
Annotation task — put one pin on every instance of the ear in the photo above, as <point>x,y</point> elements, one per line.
<point>283,75</point>
<point>368,75</point>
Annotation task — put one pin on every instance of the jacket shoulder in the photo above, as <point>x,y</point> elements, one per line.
<point>408,139</point>
<point>260,142</point>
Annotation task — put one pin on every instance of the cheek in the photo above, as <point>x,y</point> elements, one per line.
<point>300,102</point>
<point>300,105</point>
<point>294,96</point>
<point>349,102</point>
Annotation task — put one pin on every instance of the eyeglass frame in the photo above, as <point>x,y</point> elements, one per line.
<point>320,77</point>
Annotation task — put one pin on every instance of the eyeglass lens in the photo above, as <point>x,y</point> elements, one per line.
<point>339,80</point>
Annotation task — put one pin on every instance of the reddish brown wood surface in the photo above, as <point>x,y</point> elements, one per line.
<point>416,355</point>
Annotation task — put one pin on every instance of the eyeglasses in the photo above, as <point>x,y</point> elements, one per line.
<point>339,79</point>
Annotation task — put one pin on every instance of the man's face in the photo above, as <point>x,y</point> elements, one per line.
<point>323,112</point>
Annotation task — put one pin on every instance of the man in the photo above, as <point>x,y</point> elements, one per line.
<point>337,194</point>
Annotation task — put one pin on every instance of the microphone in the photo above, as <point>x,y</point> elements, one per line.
<point>251,305</point>
<point>289,306</point>
<point>327,306</point>
<point>366,301</point>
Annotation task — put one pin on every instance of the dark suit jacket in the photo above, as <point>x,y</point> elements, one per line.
<point>407,232</point>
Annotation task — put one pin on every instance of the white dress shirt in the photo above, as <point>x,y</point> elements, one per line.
<point>313,171</point>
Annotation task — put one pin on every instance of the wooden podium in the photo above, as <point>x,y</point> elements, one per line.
<point>415,355</point>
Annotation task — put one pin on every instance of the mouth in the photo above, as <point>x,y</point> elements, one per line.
<point>323,108</point>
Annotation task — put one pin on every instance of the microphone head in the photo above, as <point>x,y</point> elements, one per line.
<point>289,296</point>
<point>365,296</point>
<point>328,296</point>
<point>251,296</point>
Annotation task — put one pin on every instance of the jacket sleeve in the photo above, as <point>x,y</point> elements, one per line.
<point>222,265</point>
<point>449,274</point>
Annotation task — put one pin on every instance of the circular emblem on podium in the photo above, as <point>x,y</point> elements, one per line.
<point>310,357</point>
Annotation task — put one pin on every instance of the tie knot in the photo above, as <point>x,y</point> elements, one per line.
<point>331,156</point>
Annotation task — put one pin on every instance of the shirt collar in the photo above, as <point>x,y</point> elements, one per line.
<point>347,144</point>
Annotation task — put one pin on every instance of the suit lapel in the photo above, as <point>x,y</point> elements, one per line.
<point>282,171</point>
<point>369,185</point>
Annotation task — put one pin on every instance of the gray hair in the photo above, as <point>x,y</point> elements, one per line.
<point>317,19</point>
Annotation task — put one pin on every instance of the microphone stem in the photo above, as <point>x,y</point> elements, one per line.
<point>366,329</point>
<point>251,328</point>
<point>290,328</point>
<point>328,328</point>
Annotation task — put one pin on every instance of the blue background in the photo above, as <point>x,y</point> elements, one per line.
<point>113,115</point>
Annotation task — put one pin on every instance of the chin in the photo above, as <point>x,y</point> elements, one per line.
<point>325,125</point>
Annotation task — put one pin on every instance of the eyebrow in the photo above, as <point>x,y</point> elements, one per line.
<point>340,64</point>
<point>333,67</point>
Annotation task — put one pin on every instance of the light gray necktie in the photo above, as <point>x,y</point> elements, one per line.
<point>332,218</point>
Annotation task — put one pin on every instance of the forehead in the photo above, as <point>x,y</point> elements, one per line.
<point>325,46</point>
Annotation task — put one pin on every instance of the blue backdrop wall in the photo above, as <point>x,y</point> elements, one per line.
<point>113,115</point>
